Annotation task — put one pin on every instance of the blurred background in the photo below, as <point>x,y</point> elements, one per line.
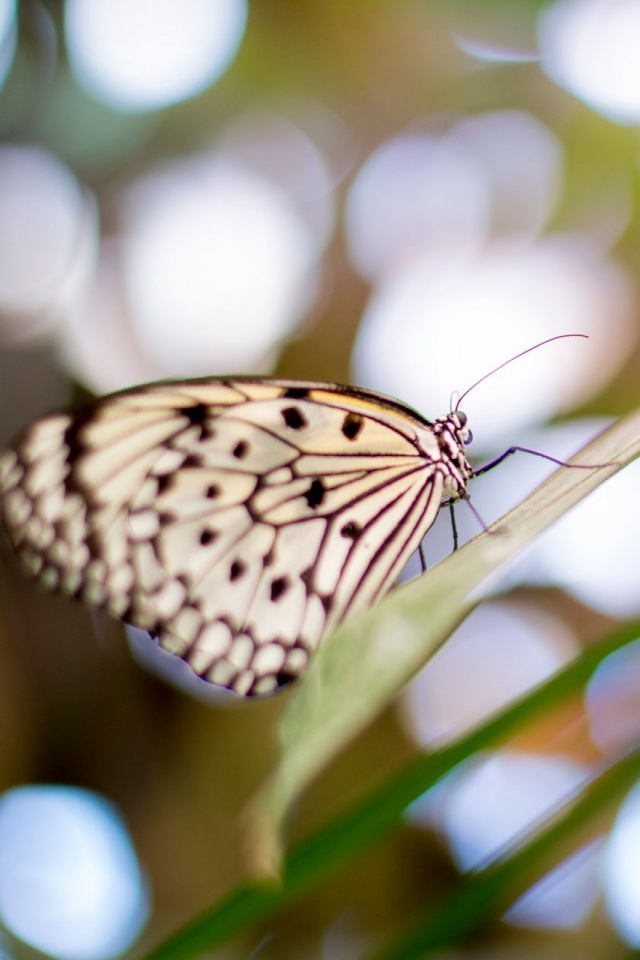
<point>400,194</point>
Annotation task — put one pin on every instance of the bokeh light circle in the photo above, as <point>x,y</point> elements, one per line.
<point>445,321</point>
<point>621,873</point>
<point>146,54</point>
<point>48,239</point>
<point>590,47</point>
<point>218,267</point>
<point>70,883</point>
<point>496,655</point>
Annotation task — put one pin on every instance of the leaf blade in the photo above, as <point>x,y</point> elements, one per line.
<point>381,650</point>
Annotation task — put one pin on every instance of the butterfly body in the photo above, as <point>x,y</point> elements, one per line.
<point>238,520</point>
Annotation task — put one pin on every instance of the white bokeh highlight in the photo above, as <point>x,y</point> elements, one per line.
<point>495,656</point>
<point>590,47</point>
<point>592,552</point>
<point>564,897</point>
<point>48,240</point>
<point>218,268</point>
<point>422,193</point>
<point>137,55</point>
<point>283,153</point>
<point>444,321</point>
<point>96,343</point>
<point>522,161</point>
<point>70,883</point>
<point>621,870</point>
<point>491,804</point>
<point>415,195</point>
<point>492,51</point>
<point>612,701</point>
<point>214,264</point>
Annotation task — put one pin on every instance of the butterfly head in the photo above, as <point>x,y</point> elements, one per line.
<point>458,420</point>
<point>453,434</point>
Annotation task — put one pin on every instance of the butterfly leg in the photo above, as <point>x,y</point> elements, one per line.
<point>454,530</point>
<point>454,526</point>
<point>537,453</point>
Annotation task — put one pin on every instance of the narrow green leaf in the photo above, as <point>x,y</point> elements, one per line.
<point>488,893</point>
<point>318,856</point>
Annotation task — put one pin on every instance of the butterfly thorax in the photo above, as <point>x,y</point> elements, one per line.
<point>452,435</point>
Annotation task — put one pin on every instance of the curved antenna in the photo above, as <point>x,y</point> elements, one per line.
<point>561,336</point>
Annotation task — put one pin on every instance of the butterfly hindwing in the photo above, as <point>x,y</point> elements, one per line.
<point>236,520</point>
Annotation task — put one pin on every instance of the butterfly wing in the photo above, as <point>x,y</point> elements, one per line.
<point>237,521</point>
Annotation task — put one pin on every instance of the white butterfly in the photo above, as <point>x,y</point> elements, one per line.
<point>238,520</point>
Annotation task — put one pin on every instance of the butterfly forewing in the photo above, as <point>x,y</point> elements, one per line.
<point>236,520</point>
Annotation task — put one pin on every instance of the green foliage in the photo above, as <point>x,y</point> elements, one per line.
<point>353,678</point>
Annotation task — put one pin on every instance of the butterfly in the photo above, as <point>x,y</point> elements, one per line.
<point>237,520</point>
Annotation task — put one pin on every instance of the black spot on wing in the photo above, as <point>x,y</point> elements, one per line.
<point>351,530</point>
<point>240,450</point>
<point>207,536</point>
<point>195,414</point>
<point>283,678</point>
<point>352,425</point>
<point>164,482</point>
<point>296,393</point>
<point>294,418</point>
<point>212,491</point>
<point>278,587</point>
<point>315,494</point>
<point>236,570</point>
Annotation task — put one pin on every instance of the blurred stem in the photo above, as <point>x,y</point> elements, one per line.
<point>313,859</point>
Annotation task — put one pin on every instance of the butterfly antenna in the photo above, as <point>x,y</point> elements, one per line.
<point>561,336</point>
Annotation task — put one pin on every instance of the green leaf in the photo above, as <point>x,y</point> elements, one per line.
<point>485,895</point>
<point>359,670</point>
<point>324,852</point>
